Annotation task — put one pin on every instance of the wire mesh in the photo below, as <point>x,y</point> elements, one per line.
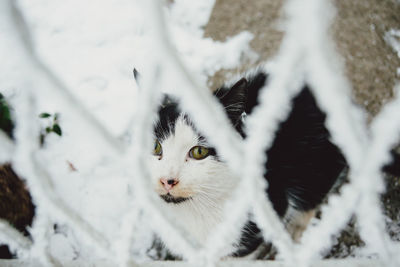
<point>305,56</point>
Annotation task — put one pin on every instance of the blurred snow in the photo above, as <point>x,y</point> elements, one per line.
<point>93,47</point>
<point>392,38</point>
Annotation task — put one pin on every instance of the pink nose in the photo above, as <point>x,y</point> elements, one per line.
<point>168,183</point>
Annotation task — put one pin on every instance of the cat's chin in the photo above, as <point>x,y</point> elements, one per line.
<point>176,200</point>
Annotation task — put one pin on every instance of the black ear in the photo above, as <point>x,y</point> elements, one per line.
<point>255,84</point>
<point>137,76</point>
<point>167,100</point>
<point>234,100</point>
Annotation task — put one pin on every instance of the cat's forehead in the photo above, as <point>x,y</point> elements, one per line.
<point>183,136</point>
<point>165,123</point>
<point>172,122</point>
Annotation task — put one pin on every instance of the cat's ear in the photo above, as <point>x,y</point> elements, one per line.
<point>234,100</point>
<point>167,100</point>
<point>256,83</point>
<point>137,76</point>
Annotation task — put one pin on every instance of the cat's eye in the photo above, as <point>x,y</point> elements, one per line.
<point>157,148</point>
<point>198,152</point>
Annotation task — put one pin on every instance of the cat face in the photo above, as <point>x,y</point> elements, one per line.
<point>187,174</point>
<point>184,167</point>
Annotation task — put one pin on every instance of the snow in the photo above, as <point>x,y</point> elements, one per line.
<point>392,38</point>
<point>91,181</point>
<point>91,48</point>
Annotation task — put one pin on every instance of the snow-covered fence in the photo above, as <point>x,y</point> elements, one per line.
<point>304,56</point>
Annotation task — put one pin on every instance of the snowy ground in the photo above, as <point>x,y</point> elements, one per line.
<point>93,47</point>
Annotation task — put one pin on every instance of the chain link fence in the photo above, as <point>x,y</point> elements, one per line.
<point>305,55</point>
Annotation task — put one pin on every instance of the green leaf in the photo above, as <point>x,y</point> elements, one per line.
<point>44,115</point>
<point>48,130</point>
<point>6,113</point>
<point>57,129</point>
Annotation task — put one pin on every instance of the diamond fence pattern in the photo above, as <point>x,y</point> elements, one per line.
<point>306,55</point>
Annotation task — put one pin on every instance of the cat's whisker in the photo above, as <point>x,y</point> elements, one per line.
<point>212,186</point>
<point>234,107</point>
<point>208,200</point>
<point>207,193</point>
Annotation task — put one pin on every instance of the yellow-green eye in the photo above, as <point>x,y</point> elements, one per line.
<point>157,148</point>
<point>198,152</point>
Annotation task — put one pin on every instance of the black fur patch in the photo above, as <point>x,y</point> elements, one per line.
<point>165,125</point>
<point>167,116</point>
<point>302,164</point>
<point>251,238</point>
<point>302,160</point>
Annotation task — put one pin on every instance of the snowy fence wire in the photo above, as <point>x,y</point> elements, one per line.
<point>304,56</point>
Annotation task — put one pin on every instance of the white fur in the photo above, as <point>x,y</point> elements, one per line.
<point>208,182</point>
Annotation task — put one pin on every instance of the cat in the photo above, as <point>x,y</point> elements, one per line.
<point>194,182</point>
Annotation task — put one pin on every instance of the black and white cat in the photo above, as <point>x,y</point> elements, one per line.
<point>194,182</point>
<point>187,173</point>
